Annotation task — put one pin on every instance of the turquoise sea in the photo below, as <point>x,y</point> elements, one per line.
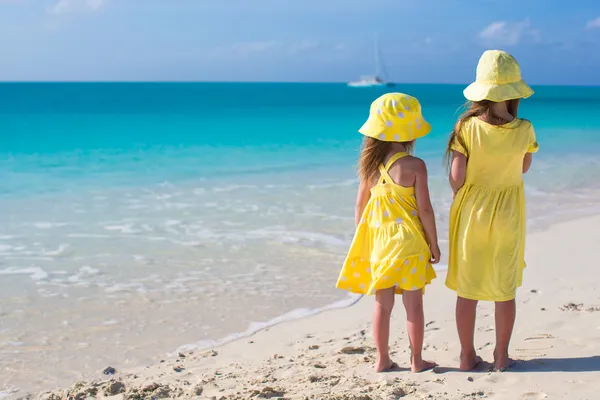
<point>138,218</point>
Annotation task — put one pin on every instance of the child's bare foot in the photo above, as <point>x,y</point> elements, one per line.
<point>386,366</point>
<point>502,364</point>
<point>422,365</point>
<point>469,362</point>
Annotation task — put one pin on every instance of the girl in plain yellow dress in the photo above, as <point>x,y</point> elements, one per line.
<point>490,151</point>
<point>395,241</point>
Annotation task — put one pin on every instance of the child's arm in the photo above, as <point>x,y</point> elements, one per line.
<point>426,210</point>
<point>364,194</point>
<point>458,171</point>
<point>527,160</point>
<point>531,148</point>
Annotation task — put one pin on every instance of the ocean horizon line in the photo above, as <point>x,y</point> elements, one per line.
<point>319,83</point>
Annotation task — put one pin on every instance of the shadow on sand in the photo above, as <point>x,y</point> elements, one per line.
<point>481,367</point>
<point>577,364</point>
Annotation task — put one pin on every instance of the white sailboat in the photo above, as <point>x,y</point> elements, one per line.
<point>375,80</point>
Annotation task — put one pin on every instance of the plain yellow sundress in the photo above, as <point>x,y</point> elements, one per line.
<point>389,248</point>
<point>487,217</point>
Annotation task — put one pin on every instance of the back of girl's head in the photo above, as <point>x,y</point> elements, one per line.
<point>498,80</point>
<point>373,154</point>
<point>393,118</point>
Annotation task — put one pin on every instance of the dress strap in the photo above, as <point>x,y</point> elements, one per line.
<point>383,170</point>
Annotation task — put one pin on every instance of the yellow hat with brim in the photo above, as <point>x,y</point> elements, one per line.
<point>395,117</point>
<point>498,79</point>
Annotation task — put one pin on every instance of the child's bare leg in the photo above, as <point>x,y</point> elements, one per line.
<point>505,321</point>
<point>384,303</point>
<point>465,323</point>
<point>415,324</point>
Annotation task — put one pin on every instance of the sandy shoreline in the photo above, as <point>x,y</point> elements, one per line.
<point>331,355</point>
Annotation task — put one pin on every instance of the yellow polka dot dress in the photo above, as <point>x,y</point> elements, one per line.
<point>389,248</point>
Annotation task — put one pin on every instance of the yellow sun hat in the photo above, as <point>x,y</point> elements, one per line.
<point>498,79</point>
<point>395,117</point>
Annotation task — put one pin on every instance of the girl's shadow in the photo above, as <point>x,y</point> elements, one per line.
<point>576,364</point>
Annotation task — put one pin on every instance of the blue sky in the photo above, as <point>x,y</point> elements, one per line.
<point>556,42</point>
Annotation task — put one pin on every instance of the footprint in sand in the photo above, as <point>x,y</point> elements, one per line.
<point>541,336</point>
<point>534,396</point>
<point>538,351</point>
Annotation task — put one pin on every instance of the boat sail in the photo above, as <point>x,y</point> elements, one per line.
<point>374,80</point>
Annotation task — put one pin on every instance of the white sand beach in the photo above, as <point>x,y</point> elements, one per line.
<point>331,355</point>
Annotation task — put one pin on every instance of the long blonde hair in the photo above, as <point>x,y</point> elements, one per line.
<point>477,109</point>
<point>372,155</point>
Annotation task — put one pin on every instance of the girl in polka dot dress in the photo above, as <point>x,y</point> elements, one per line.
<point>396,239</point>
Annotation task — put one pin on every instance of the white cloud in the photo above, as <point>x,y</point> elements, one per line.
<point>71,6</point>
<point>593,24</point>
<point>507,33</point>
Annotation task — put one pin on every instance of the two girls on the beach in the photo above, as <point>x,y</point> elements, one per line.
<point>396,243</point>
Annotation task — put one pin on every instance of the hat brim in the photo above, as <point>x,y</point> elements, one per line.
<point>478,91</point>
<point>385,134</point>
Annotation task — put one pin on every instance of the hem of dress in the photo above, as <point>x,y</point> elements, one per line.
<point>398,290</point>
<point>429,276</point>
<point>481,298</point>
